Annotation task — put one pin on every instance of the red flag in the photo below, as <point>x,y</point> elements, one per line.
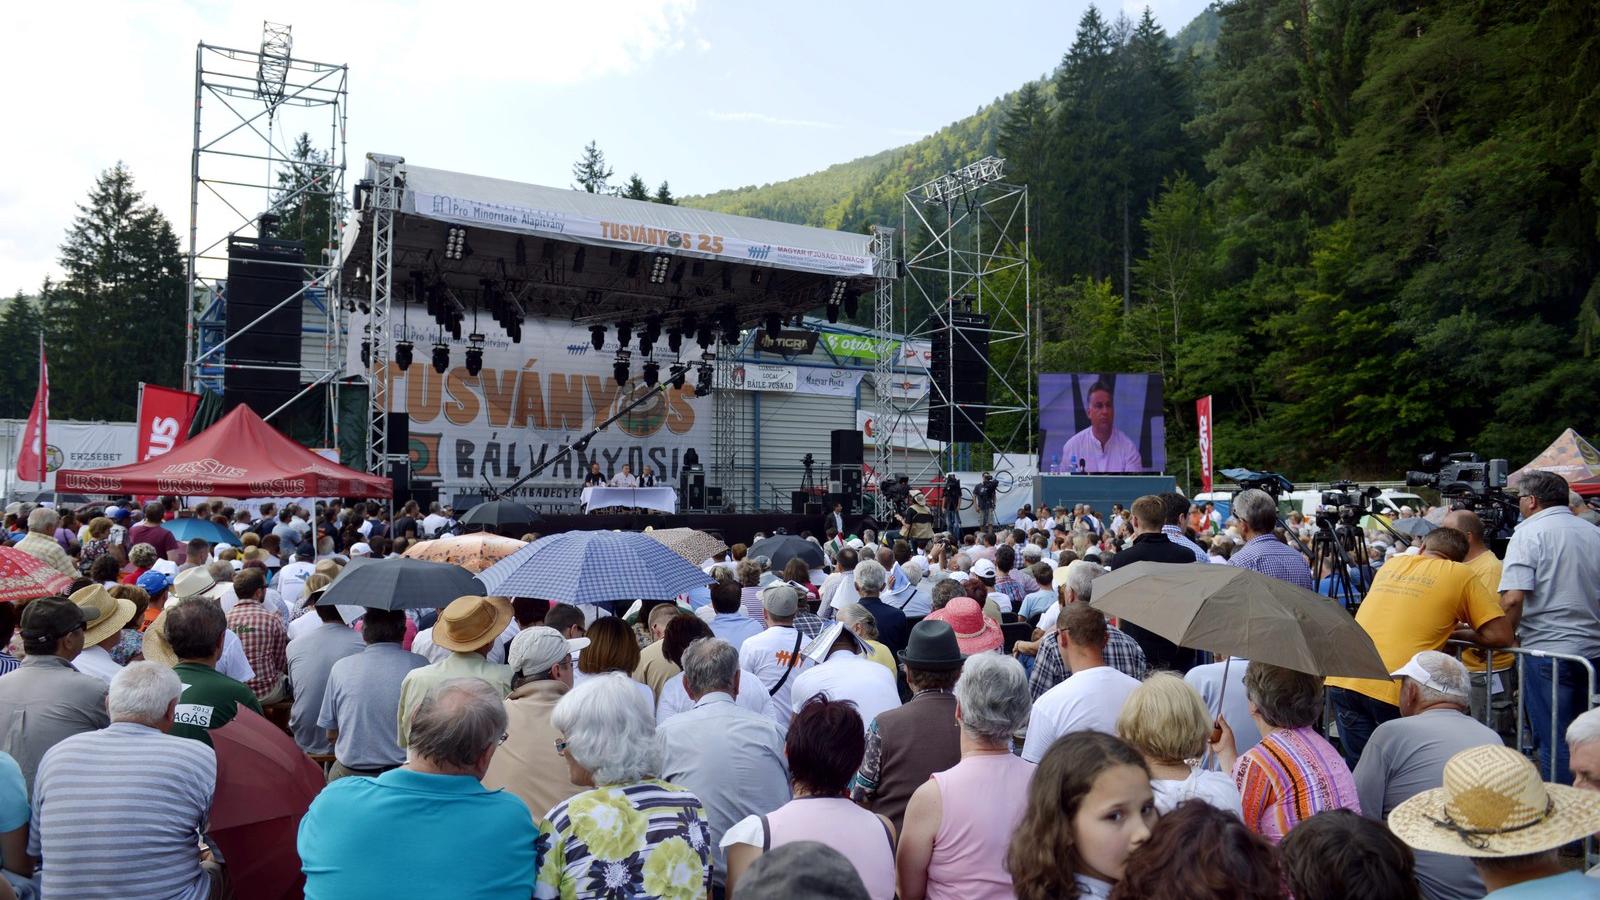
<point>30,458</point>
<point>164,418</point>
<point>1202,409</point>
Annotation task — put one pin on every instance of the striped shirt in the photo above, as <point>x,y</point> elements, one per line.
<point>1266,554</point>
<point>131,780</point>
<point>1290,776</point>
<point>1176,535</point>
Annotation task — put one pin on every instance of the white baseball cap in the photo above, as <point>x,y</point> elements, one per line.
<point>983,568</point>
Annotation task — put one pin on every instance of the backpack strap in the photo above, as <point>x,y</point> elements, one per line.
<point>794,659</point>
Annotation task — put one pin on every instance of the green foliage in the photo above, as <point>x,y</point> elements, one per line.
<point>20,325</point>
<point>635,189</point>
<point>664,195</point>
<point>590,172</point>
<point>304,198</point>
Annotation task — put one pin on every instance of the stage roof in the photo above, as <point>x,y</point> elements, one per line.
<point>590,257</point>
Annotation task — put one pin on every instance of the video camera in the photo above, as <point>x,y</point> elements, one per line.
<point>1470,482</point>
<point>1349,499</point>
<point>1271,482</point>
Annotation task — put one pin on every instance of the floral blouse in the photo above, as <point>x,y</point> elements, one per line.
<point>648,839</point>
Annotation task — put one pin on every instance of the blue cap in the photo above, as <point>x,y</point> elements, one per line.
<point>154,582</point>
<point>117,512</point>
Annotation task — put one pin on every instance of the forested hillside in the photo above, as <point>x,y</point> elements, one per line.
<point>1369,229</point>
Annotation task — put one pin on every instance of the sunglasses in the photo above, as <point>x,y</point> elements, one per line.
<point>561,746</point>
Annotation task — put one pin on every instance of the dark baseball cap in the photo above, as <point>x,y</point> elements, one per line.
<point>51,618</point>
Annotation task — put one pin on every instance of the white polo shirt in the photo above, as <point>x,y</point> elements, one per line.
<point>846,676</point>
<point>1088,701</point>
<point>767,655</point>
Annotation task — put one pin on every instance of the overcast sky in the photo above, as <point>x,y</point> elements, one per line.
<point>708,95</point>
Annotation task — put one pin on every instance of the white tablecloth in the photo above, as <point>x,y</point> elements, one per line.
<point>663,499</point>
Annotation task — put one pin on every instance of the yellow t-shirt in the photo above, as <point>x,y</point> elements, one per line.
<point>881,655</point>
<point>1414,604</point>
<point>1486,567</point>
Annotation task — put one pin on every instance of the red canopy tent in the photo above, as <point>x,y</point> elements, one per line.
<point>240,456</point>
<point>1571,457</point>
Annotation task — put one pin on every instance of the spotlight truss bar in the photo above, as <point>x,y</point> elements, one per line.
<point>952,186</point>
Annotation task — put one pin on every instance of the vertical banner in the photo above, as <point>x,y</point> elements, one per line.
<point>164,418</point>
<point>1202,411</point>
<point>30,459</point>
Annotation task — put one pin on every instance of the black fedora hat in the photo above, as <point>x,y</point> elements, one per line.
<point>932,646</point>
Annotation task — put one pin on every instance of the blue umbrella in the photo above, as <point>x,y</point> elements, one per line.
<point>593,567</point>
<point>205,529</point>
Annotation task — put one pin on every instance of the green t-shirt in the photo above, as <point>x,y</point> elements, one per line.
<point>210,700</point>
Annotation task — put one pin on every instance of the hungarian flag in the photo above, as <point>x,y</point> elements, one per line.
<point>30,458</point>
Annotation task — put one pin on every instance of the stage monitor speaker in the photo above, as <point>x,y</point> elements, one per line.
<point>692,485</point>
<point>847,448</point>
<point>262,323</point>
<point>797,502</point>
<point>813,509</point>
<point>849,478</point>
<point>714,498</point>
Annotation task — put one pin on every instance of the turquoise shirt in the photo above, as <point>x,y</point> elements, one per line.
<point>1566,886</point>
<point>410,834</point>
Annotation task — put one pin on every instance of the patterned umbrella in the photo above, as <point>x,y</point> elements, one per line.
<point>26,577</point>
<point>593,567</point>
<point>694,546</point>
<point>473,552</point>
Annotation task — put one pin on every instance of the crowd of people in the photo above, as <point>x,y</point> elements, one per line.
<point>940,717</point>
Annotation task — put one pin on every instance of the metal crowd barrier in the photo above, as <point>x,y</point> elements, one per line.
<point>1521,655</point>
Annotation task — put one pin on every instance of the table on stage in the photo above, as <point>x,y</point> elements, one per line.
<point>662,499</point>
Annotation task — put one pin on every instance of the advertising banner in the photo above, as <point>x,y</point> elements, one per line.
<point>69,445</point>
<point>164,418</point>
<point>506,217</point>
<point>528,401</point>
<point>829,382</point>
<point>915,355</point>
<point>760,377</point>
<point>903,386</point>
<point>1202,410</point>
<point>31,454</point>
<point>908,431</point>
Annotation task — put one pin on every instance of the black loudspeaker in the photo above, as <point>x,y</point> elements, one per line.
<point>262,273</point>
<point>424,491</point>
<point>960,373</point>
<point>398,433</point>
<point>846,448</point>
<point>813,509</point>
<point>692,487</point>
<point>797,502</point>
<point>714,497</point>
<point>400,473</point>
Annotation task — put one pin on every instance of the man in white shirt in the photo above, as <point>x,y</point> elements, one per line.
<point>845,670</point>
<point>1088,701</point>
<point>625,479</point>
<point>104,617</point>
<point>290,581</point>
<point>435,520</point>
<point>1101,448</point>
<point>843,574</point>
<point>774,655</point>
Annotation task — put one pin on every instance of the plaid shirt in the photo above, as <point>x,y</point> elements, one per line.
<point>265,642</point>
<point>1266,554</point>
<point>1049,669</point>
<point>1012,588</point>
<point>808,624</point>
<point>1176,535</point>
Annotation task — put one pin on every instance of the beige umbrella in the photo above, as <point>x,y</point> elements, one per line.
<point>473,552</point>
<point>694,546</point>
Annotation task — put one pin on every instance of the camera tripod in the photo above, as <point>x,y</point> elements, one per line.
<point>1337,540</point>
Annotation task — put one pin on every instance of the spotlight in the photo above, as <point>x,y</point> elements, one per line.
<point>619,369</point>
<point>441,358</point>
<point>850,297</point>
<point>652,372</point>
<point>833,313</point>
<point>659,264</point>
<point>455,242</point>
<point>727,278</point>
<point>402,354</point>
<point>633,266</point>
<point>837,293</point>
<point>675,339</point>
<point>774,324</point>
<point>678,373</point>
<point>702,385</point>
<point>704,336</point>
<point>474,354</point>
<point>624,333</point>
<point>677,274</point>
<point>366,353</point>
<point>651,330</point>
<point>597,336</point>
<point>521,253</point>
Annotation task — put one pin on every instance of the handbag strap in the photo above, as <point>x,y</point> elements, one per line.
<point>794,658</point>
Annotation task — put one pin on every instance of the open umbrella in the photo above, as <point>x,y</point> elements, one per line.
<point>473,552</point>
<point>780,548</point>
<point>1239,612</point>
<point>1416,526</point>
<point>694,546</point>
<point>264,786</point>
<point>27,577</point>
<point>593,567</point>
<point>398,583</point>
<point>205,529</point>
<point>497,514</point>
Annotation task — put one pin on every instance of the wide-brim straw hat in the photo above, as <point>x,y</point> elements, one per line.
<point>470,622</point>
<point>103,614</point>
<point>1493,804</point>
<point>154,645</point>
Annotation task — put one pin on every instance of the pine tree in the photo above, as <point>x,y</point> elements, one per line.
<point>1024,134</point>
<point>117,318</point>
<point>304,198</point>
<point>664,195</point>
<point>591,172</point>
<point>635,188</point>
<point>20,324</point>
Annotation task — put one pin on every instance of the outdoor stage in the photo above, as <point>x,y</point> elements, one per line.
<point>733,528</point>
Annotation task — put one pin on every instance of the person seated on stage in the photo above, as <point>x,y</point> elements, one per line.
<point>594,477</point>
<point>647,478</point>
<point>625,478</point>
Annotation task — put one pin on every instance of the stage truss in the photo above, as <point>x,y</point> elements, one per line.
<point>965,240</point>
<point>249,106</point>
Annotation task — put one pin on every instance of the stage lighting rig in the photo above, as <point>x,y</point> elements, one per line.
<point>652,372</point>
<point>851,297</point>
<point>455,242</point>
<point>702,385</point>
<point>624,333</point>
<point>705,336</point>
<point>619,368</point>
<point>836,294</point>
<point>729,326</point>
<point>597,336</point>
<point>679,371</point>
<point>675,339</point>
<point>441,357</point>
<point>366,353</point>
<point>774,324</point>
<point>660,263</point>
<point>651,332</point>
<point>474,354</point>
<point>402,354</point>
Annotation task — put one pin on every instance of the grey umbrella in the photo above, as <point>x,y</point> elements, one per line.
<point>399,583</point>
<point>1416,526</point>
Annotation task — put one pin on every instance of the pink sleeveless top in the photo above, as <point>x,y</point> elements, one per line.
<point>983,799</point>
<point>847,828</point>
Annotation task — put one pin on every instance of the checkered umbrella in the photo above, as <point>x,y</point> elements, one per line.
<point>26,577</point>
<point>694,546</point>
<point>593,567</point>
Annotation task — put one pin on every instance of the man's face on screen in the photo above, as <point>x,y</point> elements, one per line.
<point>1102,415</point>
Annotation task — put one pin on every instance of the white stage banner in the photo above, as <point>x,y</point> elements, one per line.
<point>571,226</point>
<point>72,445</point>
<point>904,386</point>
<point>908,431</point>
<point>527,402</point>
<point>829,382</point>
<point>760,377</point>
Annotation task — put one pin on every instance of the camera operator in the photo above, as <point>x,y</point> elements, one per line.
<point>916,522</point>
<point>951,501</point>
<point>1550,590</point>
<point>984,493</point>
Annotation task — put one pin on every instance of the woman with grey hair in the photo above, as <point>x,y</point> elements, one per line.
<point>632,834</point>
<point>958,825</point>
<point>860,620</point>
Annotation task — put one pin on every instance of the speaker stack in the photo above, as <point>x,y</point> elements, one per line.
<point>844,470</point>
<point>262,273</point>
<point>960,373</point>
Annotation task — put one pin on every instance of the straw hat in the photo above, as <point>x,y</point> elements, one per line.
<point>1493,804</point>
<point>470,622</point>
<point>103,614</point>
<point>154,646</point>
<point>975,632</point>
<point>197,582</point>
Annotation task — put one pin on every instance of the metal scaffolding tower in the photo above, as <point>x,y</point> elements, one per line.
<point>884,350</point>
<point>249,106</point>
<point>965,239</point>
